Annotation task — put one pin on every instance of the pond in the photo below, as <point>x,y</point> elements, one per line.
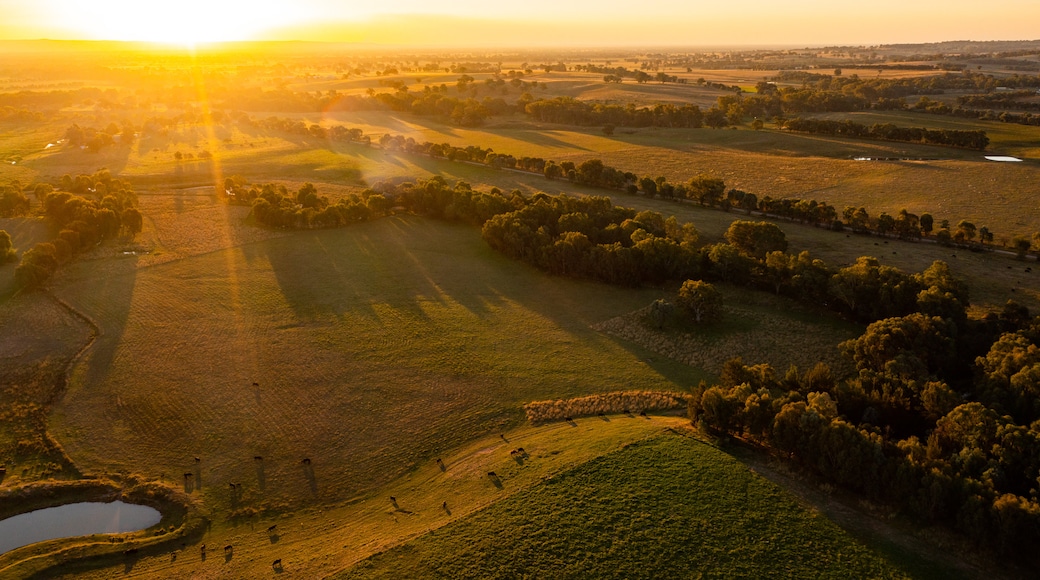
<point>75,519</point>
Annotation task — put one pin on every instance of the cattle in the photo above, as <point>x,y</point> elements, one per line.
<point>258,458</point>
<point>228,549</point>
<point>130,552</point>
<point>521,451</point>
<point>256,384</point>
<point>202,548</point>
<point>393,500</point>
<point>272,528</point>
<point>197,460</point>
<point>189,475</point>
<point>444,505</point>
<point>492,474</point>
<point>568,419</point>
<point>642,413</point>
<point>277,563</point>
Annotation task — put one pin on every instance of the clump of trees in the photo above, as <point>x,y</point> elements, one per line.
<point>940,420</point>
<point>86,211</point>
<point>8,253</point>
<point>13,202</point>
<point>274,206</point>
<point>94,139</point>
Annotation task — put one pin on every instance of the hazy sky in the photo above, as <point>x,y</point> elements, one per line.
<point>527,22</point>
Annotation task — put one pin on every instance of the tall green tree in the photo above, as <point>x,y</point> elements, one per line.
<point>701,301</point>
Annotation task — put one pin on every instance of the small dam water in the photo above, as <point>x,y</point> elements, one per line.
<point>74,519</point>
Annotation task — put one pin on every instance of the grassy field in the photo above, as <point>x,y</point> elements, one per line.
<point>661,501</point>
<point>667,507</point>
<point>347,332</point>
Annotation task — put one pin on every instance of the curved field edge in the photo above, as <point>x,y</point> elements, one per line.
<point>668,506</point>
<point>320,540</point>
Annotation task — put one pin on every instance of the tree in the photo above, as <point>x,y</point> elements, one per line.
<point>660,312</point>
<point>965,231</point>
<point>927,222</point>
<point>131,221</point>
<point>649,186</point>
<point>7,251</point>
<point>756,239</point>
<point>700,300</point>
<point>13,202</point>
<point>1021,246</point>
<point>37,266</point>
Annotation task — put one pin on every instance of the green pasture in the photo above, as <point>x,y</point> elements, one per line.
<point>669,506</point>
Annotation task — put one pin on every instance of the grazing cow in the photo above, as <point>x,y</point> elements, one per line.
<point>189,475</point>
<point>232,486</point>
<point>256,384</point>
<point>202,548</point>
<point>625,411</point>
<point>130,552</point>
<point>1029,269</point>
<point>272,528</point>
<point>306,460</point>
<point>258,458</point>
<point>228,549</point>
<point>439,460</point>
<point>393,499</point>
<point>568,419</point>
<point>521,451</point>
<point>642,413</point>
<point>513,452</point>
<point>492,474</point>
<point>197,460</point>
<point>444,505</point>
<point>277,563</point>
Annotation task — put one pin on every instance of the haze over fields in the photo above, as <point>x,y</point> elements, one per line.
<point>533,23</point>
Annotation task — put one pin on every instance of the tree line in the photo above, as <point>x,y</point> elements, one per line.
<point>888,132</point>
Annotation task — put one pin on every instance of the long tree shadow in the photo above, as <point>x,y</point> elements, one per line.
<point>102,291</point>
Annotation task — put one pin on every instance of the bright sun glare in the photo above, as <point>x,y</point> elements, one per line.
<point>185,22</point>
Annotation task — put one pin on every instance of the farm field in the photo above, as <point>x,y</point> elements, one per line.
<point>591,473</point>
<point>667,506</point>
<point>320,372</point>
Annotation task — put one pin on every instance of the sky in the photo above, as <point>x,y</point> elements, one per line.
<point>436,23</point>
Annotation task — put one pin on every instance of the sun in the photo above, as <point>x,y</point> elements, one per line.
<point>184,22</point>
